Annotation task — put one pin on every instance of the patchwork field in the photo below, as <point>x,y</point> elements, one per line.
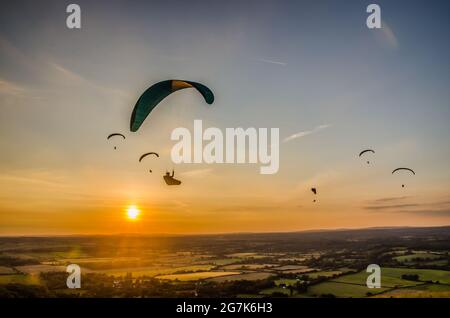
<point>327,274</point>
<point>392,277</point>
<point>420,291</point>
<point>151,271</point>
<point>195,276</point>
<point>411,257</point>
<point>6,270</point>
<point>341,290</point>
<point>20,279</point>
<point>36,269</point>
<point>245,276</point>
<point>247,265</point>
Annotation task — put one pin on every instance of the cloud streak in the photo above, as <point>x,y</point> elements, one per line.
<point>301,134</point>
<point>391,206</point>
<point>272,62</point>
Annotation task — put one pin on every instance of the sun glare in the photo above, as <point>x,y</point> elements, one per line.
<point>132,212</point>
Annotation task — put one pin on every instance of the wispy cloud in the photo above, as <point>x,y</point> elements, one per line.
<point>301,134</point>
<point>389,199</point>
<point>389,35</point>
<point>439,208</point>
<point>77,78</point>
<point>7,87</point>
<point>272,62</point>
<point>391,206</point>
<point>431,212</point>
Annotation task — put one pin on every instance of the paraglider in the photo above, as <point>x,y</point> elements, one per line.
<point>314,190</point>
<point>148,154</point>
<point>365,151</point>
<point>115,135</point>
<point>170,180</point>
<point>405,169</point>
<point>157,92</point>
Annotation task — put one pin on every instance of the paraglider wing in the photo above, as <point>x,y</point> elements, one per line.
<point>148,154</point>
<point>116,134</point>
<point>364,151</point>
<point>407,169</point>
<point>156,93</point>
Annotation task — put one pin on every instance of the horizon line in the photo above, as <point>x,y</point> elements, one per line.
<point>224,233</point>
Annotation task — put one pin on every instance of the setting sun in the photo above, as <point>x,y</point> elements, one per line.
<point>132,212</point>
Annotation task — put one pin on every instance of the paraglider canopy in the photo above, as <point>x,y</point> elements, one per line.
<point>364,151</point>
<point>407,169</point>
<point>148,154</point>
<point>156,93</point>
<point>114,135</point>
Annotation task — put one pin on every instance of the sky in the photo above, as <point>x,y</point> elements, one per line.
<point>310,68</point>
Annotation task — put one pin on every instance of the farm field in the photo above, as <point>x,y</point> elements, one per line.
<point>341,290</point>
<point>154,271</point>
<point>208,266</point>
<point>244,276</point>
<point>420,291</point>
<point>195,276</point>
<point>391,277</point>
<point>315,275</point>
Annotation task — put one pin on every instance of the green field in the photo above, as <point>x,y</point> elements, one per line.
<point>286,281</point>
<point>154,271</point>
<point>391,277</point>
<point>341,290</point>
<point>327,274</point>
<point>421,291</point>
<point>410,258</point>
<point>245,276</point>
<point>19,279</point>
<point>247,266</point>
<point>195,276</point>
<point>270,291</point>
<point>224,261</point>
<point>6,270</point>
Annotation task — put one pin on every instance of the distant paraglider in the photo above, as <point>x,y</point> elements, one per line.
<point>115,135</point>
<point>365,151</point>
<point>170,180</point>
<point>405,169</point>
<point>314,190</point>
<point>148,154</point>
<point>157,92</point>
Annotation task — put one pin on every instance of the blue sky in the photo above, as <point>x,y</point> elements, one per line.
<point>296,65</point>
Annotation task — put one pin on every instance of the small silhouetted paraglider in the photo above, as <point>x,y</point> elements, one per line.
<point>115,135</point>
<point>404,169</point>
<point>146,155</point>
<point>170,180</point>
<point>365,151</point>
<point>314,190</point>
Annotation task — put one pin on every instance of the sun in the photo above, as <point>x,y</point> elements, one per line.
<point>133,212</point>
